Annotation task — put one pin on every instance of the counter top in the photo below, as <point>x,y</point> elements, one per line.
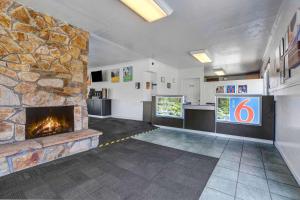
<point>199,107</point>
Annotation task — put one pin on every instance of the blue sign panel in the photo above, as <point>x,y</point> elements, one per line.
<point>237,109</point>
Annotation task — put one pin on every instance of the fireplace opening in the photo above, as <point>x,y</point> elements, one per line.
<point>46,121</point>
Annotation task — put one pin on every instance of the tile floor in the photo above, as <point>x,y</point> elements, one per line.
<point>130,170</point>
<point>245,171</point>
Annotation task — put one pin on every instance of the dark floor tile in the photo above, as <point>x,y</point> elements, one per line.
<point>114,129</point>
<point>41,192</point>
<point>105,194</point>
<point>128,170</point>
<point>157,192</point>
<point>60,184</point>
<point>77,176</point>
<point>188,189</point>
<point>15,194</point>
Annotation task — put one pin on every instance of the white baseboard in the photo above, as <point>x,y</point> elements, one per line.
<point>288,163</point>
<point>219,135</point>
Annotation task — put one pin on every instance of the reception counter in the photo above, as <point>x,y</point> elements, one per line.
<point>199,117</point>
<point>203,118</point>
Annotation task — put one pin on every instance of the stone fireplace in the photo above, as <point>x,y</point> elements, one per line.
<point>43,73</point>
<point>46,121</point>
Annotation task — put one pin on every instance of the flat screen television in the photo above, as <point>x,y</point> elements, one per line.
<point>245,110</point>
<point>97,76</point>
<point>169,106</point>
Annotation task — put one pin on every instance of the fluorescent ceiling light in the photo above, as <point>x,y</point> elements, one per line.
<point>219,72</point>
<point>201,56</point>
<point>150,10</point>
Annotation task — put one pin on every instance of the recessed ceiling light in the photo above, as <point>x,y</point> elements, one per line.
<point>150,10</point>
<point>201,56</point>
<point>219,72</point>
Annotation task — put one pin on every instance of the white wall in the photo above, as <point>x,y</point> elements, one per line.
<point>191,73</point>
<point>255,86</point>
<point>287,95</point>
<point>127,102</point>
<point>171,76</point>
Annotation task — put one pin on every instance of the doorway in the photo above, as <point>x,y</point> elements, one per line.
<point>191,90</point>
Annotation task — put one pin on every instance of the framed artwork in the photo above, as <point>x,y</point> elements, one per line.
<point>148,85</point>
<point>162,79</point>
<point>282,71</point>
<point>115,75</point>
<point>220,90</point>
<point>243,89</point>
<point>294,41</point>
<point>287,73</point>
<point>277,59</point>
<point>127,74</point>
<point>137,85</point>
<point>169,85</point>
<point>230,89</point>
<point>281,47</point>
<point>286,42</point>
<point>293,28</point>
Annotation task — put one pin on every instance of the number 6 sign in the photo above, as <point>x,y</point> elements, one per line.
<point>245,110</point>
<point>238,112</point>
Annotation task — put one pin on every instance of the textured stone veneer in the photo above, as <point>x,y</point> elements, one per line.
<point>29,153</point>
<point>43,62</point>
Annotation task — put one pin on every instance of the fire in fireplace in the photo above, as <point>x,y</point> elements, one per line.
<point>46,121</point>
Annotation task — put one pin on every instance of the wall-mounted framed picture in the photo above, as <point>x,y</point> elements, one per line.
<point>286,41</point>
<point>293,28</point>
<point>282,71</point>
<point>137,85</point>
<point>148,85</point>
<point>287,71</point>
<point>162,79</point>
<point>169,85</point>
<point>115,75</point>
<point>220,90</point>
<point>127,74</point>
<point>277,60</point>
<point>230,89</point>
<point>294,42</point>
<point>243,89</point>
<point>281,47</point>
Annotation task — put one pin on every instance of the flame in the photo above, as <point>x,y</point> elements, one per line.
<point>49,126</point>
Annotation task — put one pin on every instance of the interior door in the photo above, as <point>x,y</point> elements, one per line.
<point>191,89</point>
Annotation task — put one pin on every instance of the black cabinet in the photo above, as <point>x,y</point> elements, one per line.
<point>101,107</point>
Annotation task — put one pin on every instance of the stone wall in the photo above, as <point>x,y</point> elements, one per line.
<point>43,62</point>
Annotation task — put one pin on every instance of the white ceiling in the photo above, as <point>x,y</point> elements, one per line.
<point>235,32</point>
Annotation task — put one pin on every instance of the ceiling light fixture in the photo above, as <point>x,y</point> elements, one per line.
<point>219,72</point>
<point>150,10</point>
<point>201,56</point>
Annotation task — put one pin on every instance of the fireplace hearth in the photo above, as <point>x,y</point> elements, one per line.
<point>46,121</point>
